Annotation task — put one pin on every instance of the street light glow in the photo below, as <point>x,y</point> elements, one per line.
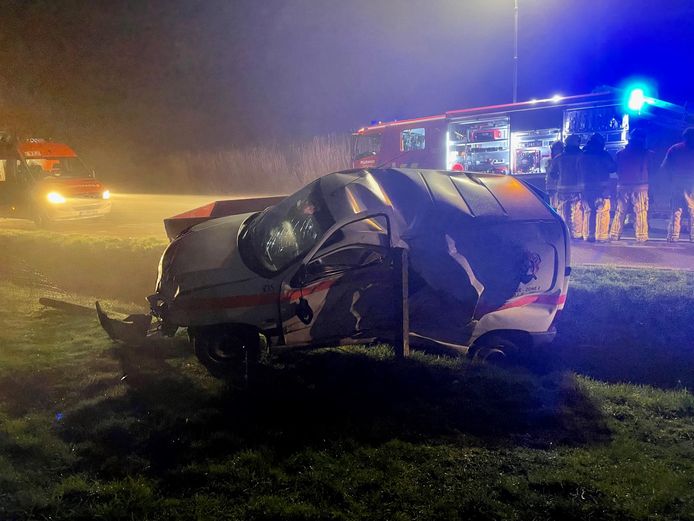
<point>556,98</point>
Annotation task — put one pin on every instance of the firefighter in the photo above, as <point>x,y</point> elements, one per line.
<point>551,182</point>
<point>564,169</point>
<point>633,166</point>
<point>595,165</point>
<point>679,167</point>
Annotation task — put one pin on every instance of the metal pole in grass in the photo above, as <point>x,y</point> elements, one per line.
<point>401,303</point>
<point>515,51</point>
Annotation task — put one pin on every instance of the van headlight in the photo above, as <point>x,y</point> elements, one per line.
<point>55,198</point>
<point>106,194</point>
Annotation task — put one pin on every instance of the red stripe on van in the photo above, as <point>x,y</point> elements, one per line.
<point>246,301</point>
<point>543,298</point>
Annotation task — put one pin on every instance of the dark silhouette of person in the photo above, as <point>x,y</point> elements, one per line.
<point>551,182</point>
<point>679,167</point>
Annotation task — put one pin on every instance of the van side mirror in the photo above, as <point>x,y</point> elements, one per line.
<point>304,311</point>
<point>299,277</point>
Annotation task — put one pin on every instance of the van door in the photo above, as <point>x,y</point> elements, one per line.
<point>343,293</point>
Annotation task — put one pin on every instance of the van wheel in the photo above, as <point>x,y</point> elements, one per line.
<point>511,349</point>
<point>495,350</point>
<point>226,351</point>
<point>505,348</point>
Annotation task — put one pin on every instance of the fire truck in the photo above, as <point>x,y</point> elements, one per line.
<point>515,138</point>
<point>46,181</point>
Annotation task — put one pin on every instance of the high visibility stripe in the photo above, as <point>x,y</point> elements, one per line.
<point>241,301</point>
<point>245,301</point>
<point>674,226</point>
<point>308,290</point>
<point>542,299</point>
<point>570,208</point>
<point>631,199</point>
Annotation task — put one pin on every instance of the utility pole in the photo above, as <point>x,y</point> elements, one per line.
<point>515,51</point>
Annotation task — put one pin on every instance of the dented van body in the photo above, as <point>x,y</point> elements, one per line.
<point>486,256</point>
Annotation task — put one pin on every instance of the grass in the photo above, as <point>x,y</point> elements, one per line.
<point>109,267</point>
<point>630,325</point>
<point>93,430</point>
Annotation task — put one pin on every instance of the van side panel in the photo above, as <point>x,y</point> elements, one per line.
<point>542,284</point>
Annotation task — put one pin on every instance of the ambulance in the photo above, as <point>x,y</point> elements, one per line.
<point>47,182</point>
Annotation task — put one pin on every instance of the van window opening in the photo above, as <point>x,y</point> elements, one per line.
<point>366,145</point>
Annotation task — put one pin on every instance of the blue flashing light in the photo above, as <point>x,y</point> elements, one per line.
<point>637,99</point>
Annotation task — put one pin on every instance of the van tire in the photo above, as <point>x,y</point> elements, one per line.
<point>505,348</point>
<point>495,350</point>
<point>509,349</point>
<point>230,352</point>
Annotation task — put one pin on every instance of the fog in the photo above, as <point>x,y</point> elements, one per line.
<point>133,215</point>
<point>134,84</point>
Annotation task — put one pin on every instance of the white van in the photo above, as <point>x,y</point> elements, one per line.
<point>488,265</point>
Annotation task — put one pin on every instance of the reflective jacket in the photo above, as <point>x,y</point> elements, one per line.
<point>633,164</point>
<point>564,169</point>
<point>595,166</point>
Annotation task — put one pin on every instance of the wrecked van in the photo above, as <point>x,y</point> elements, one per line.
<point>486,267</point>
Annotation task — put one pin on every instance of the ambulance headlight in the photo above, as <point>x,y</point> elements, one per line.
<point>106,194</point>
<point>55,198</point>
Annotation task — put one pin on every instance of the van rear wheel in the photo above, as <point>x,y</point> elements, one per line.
<point>511,348</point>
<point>228,351</point>
<point>496,350</point>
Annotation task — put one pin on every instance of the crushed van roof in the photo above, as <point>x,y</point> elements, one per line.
<point>478,195</point>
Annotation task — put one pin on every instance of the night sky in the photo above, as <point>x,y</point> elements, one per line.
<point>192,74</point>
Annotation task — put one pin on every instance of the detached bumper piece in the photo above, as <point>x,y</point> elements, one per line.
<point>133,329</point>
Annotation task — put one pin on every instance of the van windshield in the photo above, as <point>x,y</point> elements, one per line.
<point>57,167</point>
<point>286,232</point>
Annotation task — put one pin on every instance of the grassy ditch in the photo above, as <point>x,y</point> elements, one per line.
<point>105,267</point>
<point>89,429</point>
<point>634,325</point>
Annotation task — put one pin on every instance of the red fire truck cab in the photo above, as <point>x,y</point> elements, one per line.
<point>46,181</point>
